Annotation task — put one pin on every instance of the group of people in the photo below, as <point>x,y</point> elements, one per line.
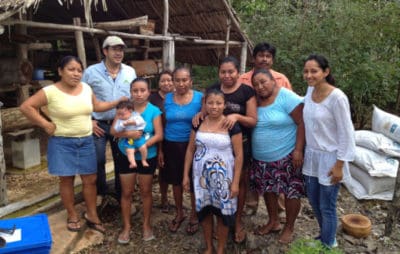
<point>248,130</point>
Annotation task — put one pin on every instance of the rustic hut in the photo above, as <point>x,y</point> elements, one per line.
<point>35,33</point>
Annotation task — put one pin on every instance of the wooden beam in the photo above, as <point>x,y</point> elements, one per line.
<point>39,46</point>
<point>122,24</point>
<point>205,47</point>
<point>80,44</point>
<point>140,49</point>
<point>121,34</point>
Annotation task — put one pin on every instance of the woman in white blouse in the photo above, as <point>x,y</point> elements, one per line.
<point>330,144</point>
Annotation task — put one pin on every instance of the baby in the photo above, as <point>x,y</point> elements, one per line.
<point>128,120</point>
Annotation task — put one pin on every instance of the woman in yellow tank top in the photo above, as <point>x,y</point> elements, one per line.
<point>70,148</point>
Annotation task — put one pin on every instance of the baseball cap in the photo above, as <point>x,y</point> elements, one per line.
<point>113,41</point>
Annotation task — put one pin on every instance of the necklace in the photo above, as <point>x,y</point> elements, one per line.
<point>112,71</point>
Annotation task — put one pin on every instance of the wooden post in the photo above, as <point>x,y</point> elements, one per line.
<point>169,55</point>
<point>166,17</point>
<point>97,48</point>
<point>80,44</point>
<point>228,33</point>
<point>146,47</point>
<point>22,48</point>
<point>398,97</point>
<point>394,210</point>
<point>3,182</point>
<point>168,46</point>
<point>243,58</point>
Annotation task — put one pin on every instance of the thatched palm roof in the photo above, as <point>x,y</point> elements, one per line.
<point>205,19</point>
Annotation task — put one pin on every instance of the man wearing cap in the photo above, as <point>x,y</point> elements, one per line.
<point>110,79</point>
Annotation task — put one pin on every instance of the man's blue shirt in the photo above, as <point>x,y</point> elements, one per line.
<point>106,88</point>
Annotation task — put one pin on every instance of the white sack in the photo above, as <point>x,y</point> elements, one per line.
<point>385,123</point>
<point>372,185</point>
<point>377,142</point>
<point>359,192</point>
<point>375,164</point>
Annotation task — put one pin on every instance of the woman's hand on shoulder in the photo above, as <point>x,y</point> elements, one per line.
<point>229,121</point>
<point>197,119</point>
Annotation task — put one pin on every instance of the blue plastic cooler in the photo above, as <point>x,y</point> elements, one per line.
<point>35,235</point>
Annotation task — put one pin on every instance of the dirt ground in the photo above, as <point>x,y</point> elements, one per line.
<point>20,186</point>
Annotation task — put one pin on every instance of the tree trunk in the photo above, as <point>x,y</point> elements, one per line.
<point>394,209</point>
<point>3,183</point>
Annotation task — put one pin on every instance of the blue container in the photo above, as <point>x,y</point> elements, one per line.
<point>38,74</point>
<point>35,235</point>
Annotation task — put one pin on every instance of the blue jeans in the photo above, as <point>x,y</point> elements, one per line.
<point>323,201</point>
<point>100,144</point>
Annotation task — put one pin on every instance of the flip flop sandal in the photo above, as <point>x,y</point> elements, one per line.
<point>241,235</point>
<point>95,226</point>
<point>262,231</point>
<point>165,208</point>
<point>122,240</point>
<point>76,223</point>
<point>174,226</point>
<point>192,228</point>
<point>148,236</point>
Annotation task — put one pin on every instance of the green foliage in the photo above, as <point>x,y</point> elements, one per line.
<point>307,246</point>
<point>360,38</point>
<point>204,76</point>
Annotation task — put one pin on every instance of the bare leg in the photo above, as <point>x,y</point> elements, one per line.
<point>89,194</point>
<point>193,225</point>
<point>207,225</point>
<point>143,153</point>
<point>128,182</point>
<point>273,225</point>
<point>145,186</point>
<point>222,232</point>
<point>163,190</point>
<point>252,198</point>
<point>292,210</point>
<point>178,197</point>
<point>66,186</point>
<point>240,233</point>
<point>130,153</point>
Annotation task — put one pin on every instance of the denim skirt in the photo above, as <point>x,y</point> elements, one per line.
<point>69,156</point>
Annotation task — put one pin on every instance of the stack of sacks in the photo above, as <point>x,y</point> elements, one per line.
<point>374,168</point>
